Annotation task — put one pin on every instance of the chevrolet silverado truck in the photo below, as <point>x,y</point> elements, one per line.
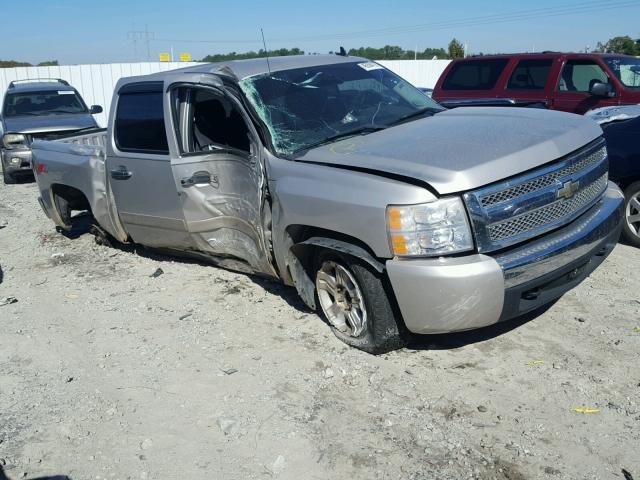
<point>38,108</point>
<point>389,214</point>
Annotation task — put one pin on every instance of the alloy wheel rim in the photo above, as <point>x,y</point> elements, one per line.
<point>632,215</point>
<point>341,299</point>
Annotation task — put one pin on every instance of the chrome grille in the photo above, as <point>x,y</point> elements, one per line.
<point>541,216</point>
<point>532,204</point>
<point>545,180</point>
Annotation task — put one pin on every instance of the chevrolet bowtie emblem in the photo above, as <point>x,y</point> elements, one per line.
<point>568,189</point>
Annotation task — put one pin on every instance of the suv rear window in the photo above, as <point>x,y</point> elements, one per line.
<point>530,75</point>
<point>474,74</point>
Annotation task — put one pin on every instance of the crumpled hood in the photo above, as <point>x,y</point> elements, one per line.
<point>48,123</point>
<point>614,114</point>
<point>464,148</point>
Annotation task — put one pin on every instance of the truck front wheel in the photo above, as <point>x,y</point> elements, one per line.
<point>631,225</point>
<point>352,299</point>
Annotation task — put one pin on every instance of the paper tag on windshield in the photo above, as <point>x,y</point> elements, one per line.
<point>66,92</point>
<point>368,66</point>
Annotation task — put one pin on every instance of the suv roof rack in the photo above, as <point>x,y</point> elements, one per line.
<point>39,80</point>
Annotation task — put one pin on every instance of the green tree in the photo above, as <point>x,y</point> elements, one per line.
<point>429,53</point>
<point>625,45</point>
<point>48,63</point>
<point>456,49</point>
<point>388,52</point>
<point>13,63</point>
<point>222,57</point>
<point>394,52</point>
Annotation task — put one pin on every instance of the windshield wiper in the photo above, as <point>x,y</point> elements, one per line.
<point>416,114</point>
<point>61,111</point>
<point>350,133</point>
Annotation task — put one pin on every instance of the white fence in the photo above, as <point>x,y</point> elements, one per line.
<point>96,82</point>
<point>422,73</point>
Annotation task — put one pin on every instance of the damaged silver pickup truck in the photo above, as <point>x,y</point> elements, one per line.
<point>388,214</point>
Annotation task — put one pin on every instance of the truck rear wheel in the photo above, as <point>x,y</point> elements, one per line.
<point>64,209</point>
<point>352,299</point>
<point>631,225</point>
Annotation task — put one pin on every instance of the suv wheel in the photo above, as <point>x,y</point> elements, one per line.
<point>631,226</point>
<point>352,299</point>
<point>8,178</point>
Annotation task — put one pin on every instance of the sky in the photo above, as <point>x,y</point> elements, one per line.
<point>97,31</point>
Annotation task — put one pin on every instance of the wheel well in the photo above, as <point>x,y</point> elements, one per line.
<point>625,182</point>
<point>66,199</point>
<point>300,233</point>
<point>300,255</point>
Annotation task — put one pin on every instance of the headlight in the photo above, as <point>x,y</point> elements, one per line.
<point>14,140</point>
<point>429,229</point>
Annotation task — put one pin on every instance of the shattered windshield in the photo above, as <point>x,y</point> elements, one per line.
<point>54,102</point>
<point>627,69</point>
<point>306,107</point>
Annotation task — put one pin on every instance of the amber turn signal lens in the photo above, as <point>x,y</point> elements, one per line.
<point>395,219</point>
<point>399,244</point>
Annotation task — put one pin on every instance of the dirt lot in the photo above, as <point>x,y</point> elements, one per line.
<point>107,372</point>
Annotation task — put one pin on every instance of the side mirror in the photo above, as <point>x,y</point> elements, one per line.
<point>601,90</point>
<point>95,109</point>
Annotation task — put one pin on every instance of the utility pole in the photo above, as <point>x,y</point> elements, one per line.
<point>141,35</point>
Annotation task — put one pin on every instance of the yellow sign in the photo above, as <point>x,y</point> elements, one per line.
<point>165,57</point>
<point>185,57</point>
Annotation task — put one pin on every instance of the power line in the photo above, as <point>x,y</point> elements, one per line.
<point>587,7</point>
<point>141,35</point>
<point>531,14</point>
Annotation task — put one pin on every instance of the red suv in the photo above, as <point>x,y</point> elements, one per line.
<point>572,82</point>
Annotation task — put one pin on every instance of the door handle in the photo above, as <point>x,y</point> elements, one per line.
<point>121,173</point>
<point>198,178</point>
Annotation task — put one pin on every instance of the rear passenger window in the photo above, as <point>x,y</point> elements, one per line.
<point>530,75</point>
<point>474,75</point>
<point>139,124</point>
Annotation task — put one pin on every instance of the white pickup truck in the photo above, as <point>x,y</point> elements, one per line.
<point>389,214</point>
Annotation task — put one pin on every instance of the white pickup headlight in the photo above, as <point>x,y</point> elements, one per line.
<point>14,140</point>
<point>429,229</point>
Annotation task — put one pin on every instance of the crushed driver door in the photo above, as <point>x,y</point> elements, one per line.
<point>219,175</point>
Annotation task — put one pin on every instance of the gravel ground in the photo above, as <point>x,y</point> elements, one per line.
<point>107,372</point>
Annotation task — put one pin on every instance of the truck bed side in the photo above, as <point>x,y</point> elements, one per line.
<point>73,167</point>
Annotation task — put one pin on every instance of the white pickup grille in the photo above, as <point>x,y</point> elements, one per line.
<point>544,180</point>
<point>549,213</point>
<point>537,202</point>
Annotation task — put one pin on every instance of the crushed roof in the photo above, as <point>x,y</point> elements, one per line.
<point>255,66</point>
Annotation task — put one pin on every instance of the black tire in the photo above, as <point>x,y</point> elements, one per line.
<point>385,330</point>
<point>64,210</point>
<point>8,178</point>
<point>629,234</point>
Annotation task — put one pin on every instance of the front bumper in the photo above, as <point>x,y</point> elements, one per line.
<point>16,161</point>
<point>461,293</point>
